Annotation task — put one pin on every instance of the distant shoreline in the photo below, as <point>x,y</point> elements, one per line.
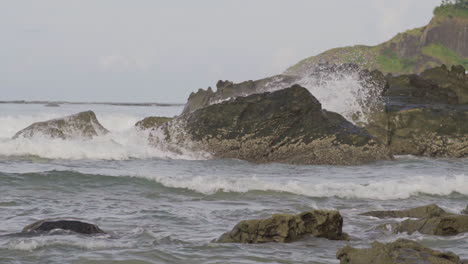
<point>89,103</point>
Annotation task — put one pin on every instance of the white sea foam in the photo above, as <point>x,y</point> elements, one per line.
<point>98,243</point>
<point>124,141</point>
<point>375,189</point>
<point>344,94</point>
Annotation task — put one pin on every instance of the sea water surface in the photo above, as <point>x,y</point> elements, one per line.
<point>162,207</point>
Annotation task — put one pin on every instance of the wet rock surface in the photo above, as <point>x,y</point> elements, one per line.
<point>448,225</point>
<point>83,125</point>
<point>419,212</point>
<point>424,115</point>
<point>287,228</point>
<point>62,224</point>
<point>401,251</point>
<point>152,122</point>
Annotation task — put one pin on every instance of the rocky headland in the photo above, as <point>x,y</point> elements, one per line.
<point>443,41</point>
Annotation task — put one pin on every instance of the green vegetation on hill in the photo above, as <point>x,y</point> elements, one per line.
<point>457,8</point>
<point>440,42</point>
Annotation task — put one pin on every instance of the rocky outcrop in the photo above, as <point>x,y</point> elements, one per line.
<point>282,228</point>
<point>372,83</point>
<point>83,125</point>
<point>401,251</point>
<point>424,115</point>
<point>446,225</point>
<point>152,122</point>
<point>418,212</point>
<point>226,90</point>
<point>286,126</point>
<point>68,225</point>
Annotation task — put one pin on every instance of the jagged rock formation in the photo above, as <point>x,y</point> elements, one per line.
<point>228,90</point>
<point>443,41</point>
<point>418,212</point>
<point>83,125</point>
<point>282,228</point>
<point>424,115</point>
<point>401,251</point>
<point>68,225</point>
<point>372,82</point>
<point>287,126</point>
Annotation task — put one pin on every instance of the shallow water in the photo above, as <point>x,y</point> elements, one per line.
<point>160,207</point>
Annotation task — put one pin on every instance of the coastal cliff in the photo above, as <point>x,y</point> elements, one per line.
<point>443,41</point>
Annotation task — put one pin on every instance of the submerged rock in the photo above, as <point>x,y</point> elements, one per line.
<point>287,126</point>
<point>52,105</point>
<point>69,225</point>
<point>82,125</point>
<point>418,212</point>
<point>287,228</point>
<point>425,115</point>
<point>447,225</point>
<point>401,251</point>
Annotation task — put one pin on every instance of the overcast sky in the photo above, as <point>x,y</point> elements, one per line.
<point>161,50</point>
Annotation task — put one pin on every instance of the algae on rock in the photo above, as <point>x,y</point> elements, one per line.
<point>401,251</point>
<point>284,228</point>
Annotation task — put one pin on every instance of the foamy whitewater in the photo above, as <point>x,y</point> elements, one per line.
<point>163,207</point>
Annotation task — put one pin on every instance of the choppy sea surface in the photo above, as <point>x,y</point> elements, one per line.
<point>162,207</point>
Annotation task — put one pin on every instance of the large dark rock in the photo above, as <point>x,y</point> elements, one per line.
<point>401,251</point>
<point>287,228</point>
<point>68,225</point>
<point>83,125</point>
<point>424,115</point>
<point>287,126</point>
<point>446,225</point>
<point>419,212</point>
<point>465,211</point>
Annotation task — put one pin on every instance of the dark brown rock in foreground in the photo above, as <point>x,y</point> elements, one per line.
<point>282,228</point>
<point>83,125</point>
<point>401,251</point>
<point>69,225</point>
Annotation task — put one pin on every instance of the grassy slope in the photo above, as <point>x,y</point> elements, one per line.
<point>386,59</point>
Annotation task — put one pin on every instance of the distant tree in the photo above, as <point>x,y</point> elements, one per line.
<point>455,2</point>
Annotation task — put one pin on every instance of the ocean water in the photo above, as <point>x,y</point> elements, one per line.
<point>163,207</point>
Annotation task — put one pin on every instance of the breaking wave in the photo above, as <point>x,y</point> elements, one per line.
<point>124,142</point>
<point>310,186</point>
<point>378,190</point>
